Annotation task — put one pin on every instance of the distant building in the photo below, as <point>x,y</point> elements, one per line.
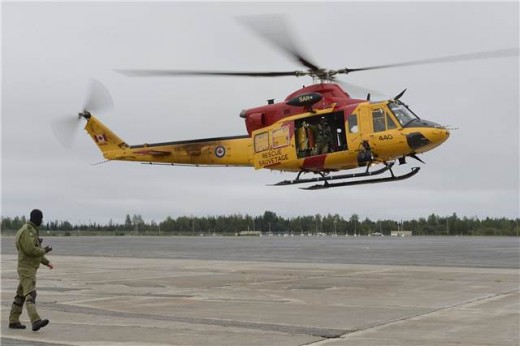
<point>401,233</point>
<point>250,233</point>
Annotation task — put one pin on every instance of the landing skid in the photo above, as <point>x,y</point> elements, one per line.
<point>333,177</point>
<point>413,172</point>
<point>327,179</point>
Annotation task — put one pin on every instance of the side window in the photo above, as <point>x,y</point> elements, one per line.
<point>378,117</point>
<point>281,137</point>
<point>390,124</point>
<point>261,142</point>
<point>352,123</point>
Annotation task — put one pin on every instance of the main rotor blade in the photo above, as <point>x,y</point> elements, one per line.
<point>359,91</point>
<point>452,58</point>
<point>166,73</point>
<point>98,98</point>
<point>274,29</point>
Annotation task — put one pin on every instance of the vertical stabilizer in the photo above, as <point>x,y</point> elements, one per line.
<point>105,139</point>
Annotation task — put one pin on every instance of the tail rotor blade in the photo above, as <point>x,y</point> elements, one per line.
<point>65,129</point>
<point>98,98</point>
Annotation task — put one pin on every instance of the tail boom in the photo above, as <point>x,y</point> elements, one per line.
<point>232,151</point>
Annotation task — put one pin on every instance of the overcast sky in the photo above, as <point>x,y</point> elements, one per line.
<point>51,50</point>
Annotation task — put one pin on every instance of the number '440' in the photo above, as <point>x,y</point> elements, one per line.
<point>386,137</point>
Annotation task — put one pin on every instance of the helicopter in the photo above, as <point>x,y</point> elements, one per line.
<point>319,129</point>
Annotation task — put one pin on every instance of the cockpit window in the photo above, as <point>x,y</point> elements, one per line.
<point>382,120</point>
<point>403,114</point>
<point>378,118</point>
<point>390,123</point>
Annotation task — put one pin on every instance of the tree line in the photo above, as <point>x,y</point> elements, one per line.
<point>271,223</point>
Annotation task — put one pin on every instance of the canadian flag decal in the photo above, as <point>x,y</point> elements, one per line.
<point>100,139</point>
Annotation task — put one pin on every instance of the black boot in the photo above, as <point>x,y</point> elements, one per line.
<point>39,324</point>
<point>16,325</point>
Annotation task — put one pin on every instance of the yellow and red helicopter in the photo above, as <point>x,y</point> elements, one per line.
<point>317,129</point>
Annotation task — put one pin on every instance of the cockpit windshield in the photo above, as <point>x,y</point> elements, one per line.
<point>402,113</point>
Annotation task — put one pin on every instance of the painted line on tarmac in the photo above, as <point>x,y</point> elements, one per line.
<point>326,333</point>
<point>6,341</point>
<point>376,327</point>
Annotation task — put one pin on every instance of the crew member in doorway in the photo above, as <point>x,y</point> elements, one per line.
<point>324,138</point>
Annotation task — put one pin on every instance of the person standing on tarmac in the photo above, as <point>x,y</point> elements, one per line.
<point>30,255</point>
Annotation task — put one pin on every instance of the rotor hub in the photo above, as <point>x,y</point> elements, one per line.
<point>85,114</point>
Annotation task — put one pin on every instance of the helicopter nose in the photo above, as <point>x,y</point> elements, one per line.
<point>440,135</point>
<point>427,138</point>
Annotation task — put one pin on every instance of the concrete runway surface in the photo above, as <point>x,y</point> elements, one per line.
<point>105,296</point>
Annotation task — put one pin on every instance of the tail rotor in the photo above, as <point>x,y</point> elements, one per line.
<point>98,100</point>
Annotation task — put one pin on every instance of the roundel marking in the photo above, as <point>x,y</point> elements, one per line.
<point>220,151</point>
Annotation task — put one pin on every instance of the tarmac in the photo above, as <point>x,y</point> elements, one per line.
<point>105,300</point>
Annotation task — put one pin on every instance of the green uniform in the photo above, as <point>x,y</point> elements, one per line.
<point>30,255</point>
<point>323,139</point>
